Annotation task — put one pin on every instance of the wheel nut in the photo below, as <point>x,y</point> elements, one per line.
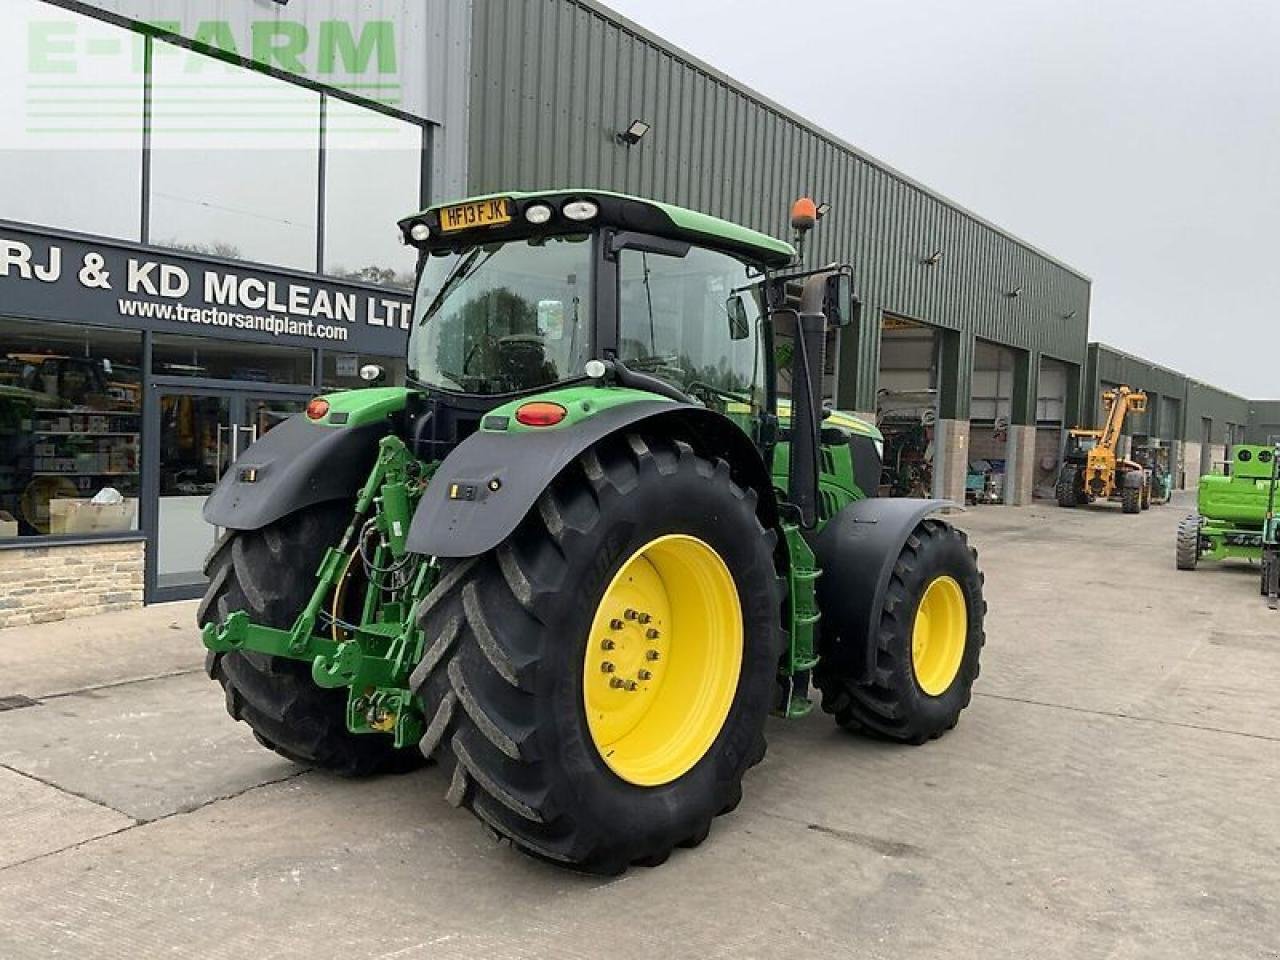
<point>615,624</point>
<point>644,618</point>
<point>629,614</point>
<point>617,682</point>
<point>652,634</point>
<point>606,667</point>
<point>607,644</point>
<point>644,675</point>
<point>631,684</point>
<point>652,655</point>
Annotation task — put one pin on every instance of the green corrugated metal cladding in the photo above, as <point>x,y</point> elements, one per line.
<point>552,81</point>
<point>1194,401</point>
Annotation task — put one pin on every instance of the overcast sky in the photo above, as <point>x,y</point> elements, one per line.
<point>1137,140</point>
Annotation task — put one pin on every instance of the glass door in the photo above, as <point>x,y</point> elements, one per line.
<point>197,436</point>
<point>200,434</point>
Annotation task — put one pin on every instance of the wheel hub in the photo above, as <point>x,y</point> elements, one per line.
<point>662,660</point>
<point>938,637</point>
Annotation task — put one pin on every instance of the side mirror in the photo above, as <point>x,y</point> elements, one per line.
<point>842,307</point>
<point>739,322</point>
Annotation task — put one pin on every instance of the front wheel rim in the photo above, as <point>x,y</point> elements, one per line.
<point>663,660</point>
<point>939,634</point>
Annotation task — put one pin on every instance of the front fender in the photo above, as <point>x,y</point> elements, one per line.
<point>489,483</point>
<point>856,552</point>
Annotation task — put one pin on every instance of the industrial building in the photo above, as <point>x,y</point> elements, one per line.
<point>197,210</point>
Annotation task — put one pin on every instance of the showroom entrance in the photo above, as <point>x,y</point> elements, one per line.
<point>196,433</point>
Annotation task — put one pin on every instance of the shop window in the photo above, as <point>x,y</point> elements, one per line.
<point>70,429</point>
<point>71,92</point>
<point>235,161</point>
<point>341,371</point>
<point>178,356</point>
<point>373,179</point>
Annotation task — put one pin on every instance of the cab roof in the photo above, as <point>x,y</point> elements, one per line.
<point>617,210</point>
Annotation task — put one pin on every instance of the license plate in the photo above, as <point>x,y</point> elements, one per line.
<point>481,213</point>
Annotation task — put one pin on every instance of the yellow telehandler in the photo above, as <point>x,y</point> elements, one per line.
<point>1092,470</point>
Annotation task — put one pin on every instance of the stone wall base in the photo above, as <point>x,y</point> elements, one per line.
<point>1190,465</point>
<point>1020,466</point>
<point>57,582</point>
<point>950,459</point>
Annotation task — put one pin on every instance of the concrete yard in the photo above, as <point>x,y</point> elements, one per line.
<point>1114,791</point>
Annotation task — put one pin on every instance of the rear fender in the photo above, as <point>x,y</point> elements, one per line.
<point>856,551</point>
<point>302,462</point>
<point>491,481</point>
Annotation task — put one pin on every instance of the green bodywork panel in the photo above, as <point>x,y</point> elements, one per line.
<point>580,403</point>
<point>364,406</point>
<point>700,225</point>
<point>1237,500</point>
<point>836,484</point>
<point>1225,541</point>
<point>1234,509</point>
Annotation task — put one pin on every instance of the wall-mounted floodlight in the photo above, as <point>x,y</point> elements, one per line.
<point>823,209</point>
<point>933,259</point>
<point>634,133</point>
<point>1015,292</point>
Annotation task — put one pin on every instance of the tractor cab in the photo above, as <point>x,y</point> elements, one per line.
<point>518,292</point>
<point>1079,443</point>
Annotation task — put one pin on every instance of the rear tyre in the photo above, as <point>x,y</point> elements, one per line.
<point>928,644</point>
<point>270,574</point>
<point>1066,490</point>
<point>1146,495</point>
<point>1187,554</point>
<point>563,731</point>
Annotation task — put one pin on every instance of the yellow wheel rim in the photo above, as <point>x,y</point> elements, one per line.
<point>938,637</point>
<point>663,659</point>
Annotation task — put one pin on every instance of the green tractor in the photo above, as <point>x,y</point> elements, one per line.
<point>1232,510</point>
<point>604,530</point>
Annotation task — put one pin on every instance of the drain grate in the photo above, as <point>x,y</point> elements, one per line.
<point>17,702</point>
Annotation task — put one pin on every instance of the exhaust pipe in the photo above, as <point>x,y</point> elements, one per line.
<point>807,363</point>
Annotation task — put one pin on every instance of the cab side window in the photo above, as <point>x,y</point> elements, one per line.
<point>694,321</point>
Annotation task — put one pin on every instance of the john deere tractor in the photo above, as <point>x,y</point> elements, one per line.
<point>602,531</point>
<point>1091,469</point>
<point>1232,510</point>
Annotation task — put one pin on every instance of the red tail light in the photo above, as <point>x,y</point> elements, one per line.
<point>540,413</point>
<point>318,408</point>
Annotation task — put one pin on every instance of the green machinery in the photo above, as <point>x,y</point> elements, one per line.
<point>603,530</point>
<point>1271,536</point>
<point>1232,509</point>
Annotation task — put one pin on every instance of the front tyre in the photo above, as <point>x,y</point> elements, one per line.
<point>1067,491</point>
<point>599,682</point>
<point>270,574</point>
<point>1187,550</point>
<point>928,643</point>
